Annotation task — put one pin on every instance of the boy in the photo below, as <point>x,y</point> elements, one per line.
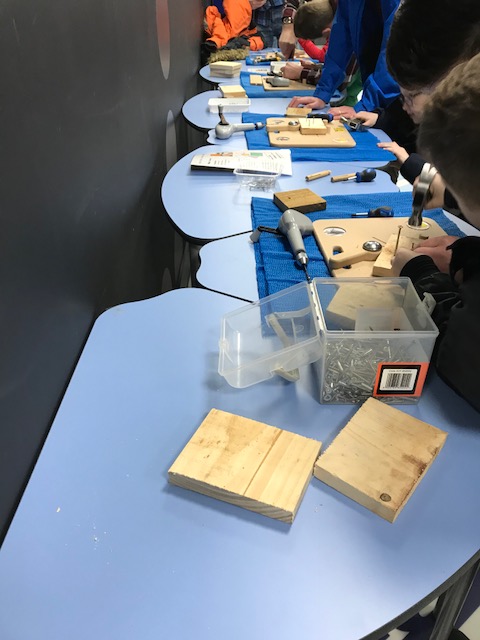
<point>314,20</point>
<point>449,136</point>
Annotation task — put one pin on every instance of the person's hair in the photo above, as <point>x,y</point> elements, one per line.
<point>312,18</point>
<point>449,133</point>
<point>427,38</point>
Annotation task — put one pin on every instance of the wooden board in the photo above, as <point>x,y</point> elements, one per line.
<point>293,86</point>
<point>232,91</point>
<point>255,79</point>
<point>336,136</point>
<point>379,457</point>
<point>299,112</point>
<point>409,239</point>
<point>357,231</point>
<point>247,463</point>
<point>303,200</point>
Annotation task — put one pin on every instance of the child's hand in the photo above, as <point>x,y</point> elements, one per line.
<point>307,101</point>
<point>346,112</point>
<point>436,248</point>
<point>292,71</point>
<point>369,119</point>
<point>307,64</point>
<point>399,152</point>
<point>400,260</point>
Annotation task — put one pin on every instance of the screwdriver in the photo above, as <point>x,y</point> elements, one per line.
<point>367,175</point>
<point>378,212</point>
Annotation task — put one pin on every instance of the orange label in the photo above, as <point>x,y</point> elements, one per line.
<point>400,379</point>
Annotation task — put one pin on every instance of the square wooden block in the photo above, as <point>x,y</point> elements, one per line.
<point>247,463</point>
<point>379,457</point>
<point>303,200</point>
<point>300,112</point>
<point>232,91</point>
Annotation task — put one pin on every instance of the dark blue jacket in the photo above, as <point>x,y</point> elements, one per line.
<point>347,39</point>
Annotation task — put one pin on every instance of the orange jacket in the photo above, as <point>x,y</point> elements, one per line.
<point>238,21</point>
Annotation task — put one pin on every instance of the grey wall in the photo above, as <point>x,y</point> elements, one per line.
<point>90,100</point>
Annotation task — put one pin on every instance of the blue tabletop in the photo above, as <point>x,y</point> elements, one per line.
<point>207,205</point>
<point>103,547</point>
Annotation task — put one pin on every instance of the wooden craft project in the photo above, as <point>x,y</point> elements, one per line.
<point>331,134</point>
<point>404,238</point>
<point>232,91</point>
<point>299,112</point>
<point>347,235</point>
<point>379,458</point>
<point>248,464</point>
<point>255,79</point>
<point>293,86</point>
<point>303,200</point>
<point>350,298</point>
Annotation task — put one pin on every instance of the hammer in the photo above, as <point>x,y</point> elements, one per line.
<point>224,130</point>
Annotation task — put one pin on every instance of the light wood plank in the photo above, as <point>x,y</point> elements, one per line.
<point>247,463</point>
<point>379,457</point>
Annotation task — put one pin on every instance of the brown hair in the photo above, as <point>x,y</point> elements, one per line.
<point>312,18</point>
<point>449,134</point>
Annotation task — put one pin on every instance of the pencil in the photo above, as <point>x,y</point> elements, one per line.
<point>320,174</point>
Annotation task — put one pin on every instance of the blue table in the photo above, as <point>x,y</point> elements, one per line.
<point>102,546</point>
<point>208,205</point>
<point>228,265</point>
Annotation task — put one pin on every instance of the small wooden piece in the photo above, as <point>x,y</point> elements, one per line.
<point>303,200</point>
<point>248,464</point>
<point>225,68</point>
<point>343,177</point>
<point>255,79</point>
<point>379,457</point>
<point>313,127</point>
<point>349,299</point>
<point>232,91</point>
<point>319,174</point>
<point>282,124</point>
<point>408,239</point>
<point>297,112</point>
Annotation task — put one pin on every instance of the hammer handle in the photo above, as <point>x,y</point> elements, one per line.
<point>342,178</point>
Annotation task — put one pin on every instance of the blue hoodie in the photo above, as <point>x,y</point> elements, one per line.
<point>347,39</point>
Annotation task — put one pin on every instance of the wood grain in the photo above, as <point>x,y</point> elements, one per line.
<point>379,457</point>
<point>248,464</point>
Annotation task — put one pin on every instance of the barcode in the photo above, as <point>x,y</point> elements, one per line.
<point>398,380</point>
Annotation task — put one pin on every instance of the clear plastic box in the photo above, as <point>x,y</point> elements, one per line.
<point>254,179</point>
<point>364,337</point>
<point>230,105</point>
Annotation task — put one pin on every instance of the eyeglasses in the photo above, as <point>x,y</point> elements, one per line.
<point>407,97</point>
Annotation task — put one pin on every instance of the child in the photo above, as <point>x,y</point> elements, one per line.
<point>449,136</point>
<point>314,20</point>
<point>235,27</point>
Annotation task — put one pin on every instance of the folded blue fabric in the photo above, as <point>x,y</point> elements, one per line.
<point>257,91</point>
<point>365,150</point>
<point>275,266</point>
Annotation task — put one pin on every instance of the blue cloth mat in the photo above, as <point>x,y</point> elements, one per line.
<point>257,91</point>
<point>365,150</point>
<point>275,267</point>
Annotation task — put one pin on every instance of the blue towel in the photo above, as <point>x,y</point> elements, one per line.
<point>365,150</point>
<point>275,266</point>
<point>257,91</point>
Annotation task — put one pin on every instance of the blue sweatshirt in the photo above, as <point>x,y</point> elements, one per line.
<point>348,38</point>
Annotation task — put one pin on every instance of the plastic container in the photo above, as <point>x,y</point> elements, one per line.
<point>230,105</point>
<point>256,180</point>
<point>364,336</point>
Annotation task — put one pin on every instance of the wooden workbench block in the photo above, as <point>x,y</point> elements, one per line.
<point>303,200</point>
<point>379,457</point>
<point>282,124</point>
<point>312,127</point>
<point>225,68</point>
<point>232,91</point>
<point>298,112</point>
<point>248,464</point>
<point>256,79</point>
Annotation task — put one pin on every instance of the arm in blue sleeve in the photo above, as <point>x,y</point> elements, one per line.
<point>340,51</point>
<point>380,89</point>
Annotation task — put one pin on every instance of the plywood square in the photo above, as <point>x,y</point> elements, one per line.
<point>357,231</point>
<point>345,304</point>
<point>335,136</point>
<point>299,112</point>
<point>255,79</point>
<point>248,464</point>
<point>312,126</point>
<point>379,457</point>
<point>232,91</point>
<point>225,68</point>
<point>303,200</point>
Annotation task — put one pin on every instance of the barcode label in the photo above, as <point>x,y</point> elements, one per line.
<point>400,379</point>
